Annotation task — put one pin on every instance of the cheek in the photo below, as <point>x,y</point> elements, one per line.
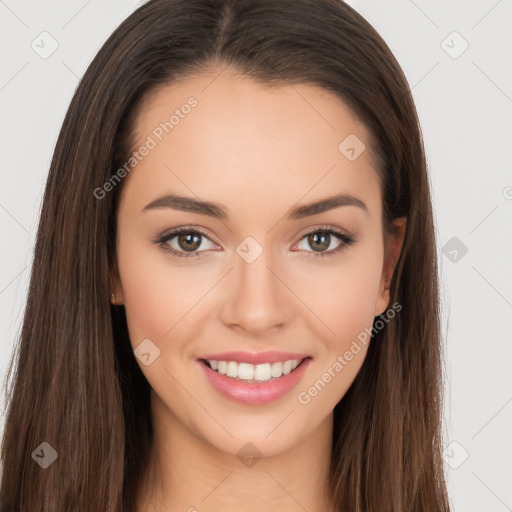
<point>157,298</point>
<point>151,299</point>
<point>341,294</point>
<point>162,299</point>
<point>343,300</point>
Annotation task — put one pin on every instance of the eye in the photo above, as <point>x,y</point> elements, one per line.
<point>188,242</point>
<point>185,243</point>
<point>325,241</point>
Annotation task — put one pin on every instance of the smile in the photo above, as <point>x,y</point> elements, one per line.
<point>253,384</point>
<point>253,373</point>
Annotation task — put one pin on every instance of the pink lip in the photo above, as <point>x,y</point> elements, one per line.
<point>256,393</point>
<point>255,358</point>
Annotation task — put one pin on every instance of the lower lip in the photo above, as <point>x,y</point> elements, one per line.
<point>255,393</point>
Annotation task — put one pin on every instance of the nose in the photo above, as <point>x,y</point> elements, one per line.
<point>256,298</point>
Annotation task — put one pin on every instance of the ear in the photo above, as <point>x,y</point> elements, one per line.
<point>115,286</point>
<point>394,245</point>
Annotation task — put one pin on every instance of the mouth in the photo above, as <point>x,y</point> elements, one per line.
<point>254,384</point>
<point>254,373</point>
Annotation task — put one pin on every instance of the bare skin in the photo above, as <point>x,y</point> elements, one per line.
<point>258,152</point>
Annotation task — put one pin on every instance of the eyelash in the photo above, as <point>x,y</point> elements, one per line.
<point>346,239</point>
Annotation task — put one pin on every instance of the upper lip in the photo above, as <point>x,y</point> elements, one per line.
<point>255,358</point>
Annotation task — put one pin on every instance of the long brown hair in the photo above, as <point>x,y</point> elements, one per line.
<point>74,382</point>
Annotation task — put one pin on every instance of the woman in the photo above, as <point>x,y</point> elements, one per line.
<point>245,182</point>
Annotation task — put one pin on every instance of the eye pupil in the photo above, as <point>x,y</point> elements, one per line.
<point>322,239</point>
<point>189,238</point>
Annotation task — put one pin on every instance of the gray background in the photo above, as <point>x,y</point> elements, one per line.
<point>464,99</point>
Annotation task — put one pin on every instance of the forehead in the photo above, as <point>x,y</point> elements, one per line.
<point>227,138</point>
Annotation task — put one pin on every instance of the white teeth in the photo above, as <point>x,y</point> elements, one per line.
<point>245,371</point>
<point>250,372</point>
<point>262,372</point>
<point>232,370</point>
<point>277,369</point>
<point>222,367</point>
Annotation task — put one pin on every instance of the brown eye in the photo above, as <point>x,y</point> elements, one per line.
<point>319,241</point>
<point>189,242</point>
<point>185,242</point>
<point>325,242</point>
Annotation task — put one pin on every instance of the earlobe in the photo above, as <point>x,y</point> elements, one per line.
<point>382,302</point>
<point>394,248</point>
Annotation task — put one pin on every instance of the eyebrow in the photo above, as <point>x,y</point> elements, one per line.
<point>189,204</point>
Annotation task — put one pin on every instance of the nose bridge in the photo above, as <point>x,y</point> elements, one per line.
<point>256,300</point>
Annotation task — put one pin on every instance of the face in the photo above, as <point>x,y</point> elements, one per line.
<point>252,271</point>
